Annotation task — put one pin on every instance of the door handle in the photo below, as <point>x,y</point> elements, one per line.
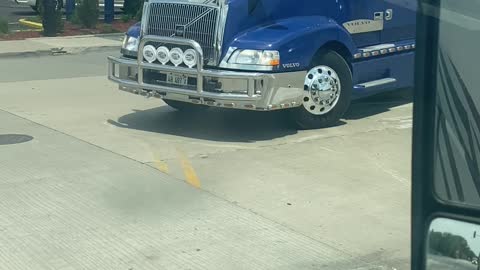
<point>388,14</point>
<point>378,16</point>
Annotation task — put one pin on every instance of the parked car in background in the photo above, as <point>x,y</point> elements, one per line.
<point>61,3</point>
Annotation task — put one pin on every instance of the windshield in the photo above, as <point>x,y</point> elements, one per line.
<point>236,135</point>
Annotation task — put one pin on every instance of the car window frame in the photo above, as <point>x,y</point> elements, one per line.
<point>426,204</point>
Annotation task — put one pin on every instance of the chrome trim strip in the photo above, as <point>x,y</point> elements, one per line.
<point>377,47</point>
<point>204,3</point>
<point>221,23</point>
<point>376,83</point>
<point>248,67</point>
<point>382,49</point>
<point>145,15</point>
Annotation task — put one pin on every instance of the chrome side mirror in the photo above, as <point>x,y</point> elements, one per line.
<point>453,245</point>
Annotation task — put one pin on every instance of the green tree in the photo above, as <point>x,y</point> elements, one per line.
<point>3,26</point>
<point>132,7</point>
<point>86,13</point>
<point>58,14</point>
<point>450,245</point>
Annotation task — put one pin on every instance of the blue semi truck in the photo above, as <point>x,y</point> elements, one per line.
<point>311,57</point>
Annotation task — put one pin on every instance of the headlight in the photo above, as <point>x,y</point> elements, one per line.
<point>150,53</point>
<point>190,58</point>
<point>176,56</point>
<point>130,43</point>
<point>162,54</point>
<point>255,57</point>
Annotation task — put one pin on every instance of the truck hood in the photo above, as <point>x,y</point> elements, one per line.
<point>246,15</point>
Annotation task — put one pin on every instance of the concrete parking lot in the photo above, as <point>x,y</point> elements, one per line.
<point>116,181</point>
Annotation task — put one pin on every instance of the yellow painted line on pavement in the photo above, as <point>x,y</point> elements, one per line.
<point>188,171</point>
<point>161,166</point>
<point>30,23</point>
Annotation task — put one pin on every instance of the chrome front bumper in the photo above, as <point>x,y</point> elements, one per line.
<point>231,89</point>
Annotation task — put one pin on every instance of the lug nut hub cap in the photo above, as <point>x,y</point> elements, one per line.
<point>321,91</point>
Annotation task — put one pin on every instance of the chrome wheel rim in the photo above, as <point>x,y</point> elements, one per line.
<point>322,90</point>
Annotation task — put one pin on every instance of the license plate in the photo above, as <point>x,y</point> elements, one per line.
<point>177,79</point>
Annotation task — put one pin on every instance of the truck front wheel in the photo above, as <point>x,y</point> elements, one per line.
<point>327,92</point>
<point>184,106</point>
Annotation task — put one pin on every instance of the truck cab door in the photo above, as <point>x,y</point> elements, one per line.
<point>446,137</point>
<point>399,20</point>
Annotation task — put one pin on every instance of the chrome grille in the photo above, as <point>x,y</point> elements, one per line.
<point>198,22</point>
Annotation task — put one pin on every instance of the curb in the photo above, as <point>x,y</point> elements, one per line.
<point>117,35</point>
<point>59,51</point>
<point>29,30</point>
<point>28,23</point>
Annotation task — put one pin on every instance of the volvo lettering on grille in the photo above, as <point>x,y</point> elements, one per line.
<point>179,30</point>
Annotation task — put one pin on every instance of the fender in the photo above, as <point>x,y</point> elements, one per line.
<point>297,39</point>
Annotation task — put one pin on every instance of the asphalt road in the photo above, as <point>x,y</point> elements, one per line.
<point>12,12</point>
<point>116,181</point>
<point>446,263</point>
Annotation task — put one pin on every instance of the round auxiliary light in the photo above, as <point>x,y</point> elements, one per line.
<point>176,56</point>
<point>149,53</point>
<point>190,58</point>
<point>162,54</point>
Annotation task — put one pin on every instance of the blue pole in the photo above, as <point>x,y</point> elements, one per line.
<point>109,11</point>
<point>69,9</point>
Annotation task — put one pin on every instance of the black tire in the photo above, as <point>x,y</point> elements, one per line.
<point>185,106</point>
<point>307,120</point>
